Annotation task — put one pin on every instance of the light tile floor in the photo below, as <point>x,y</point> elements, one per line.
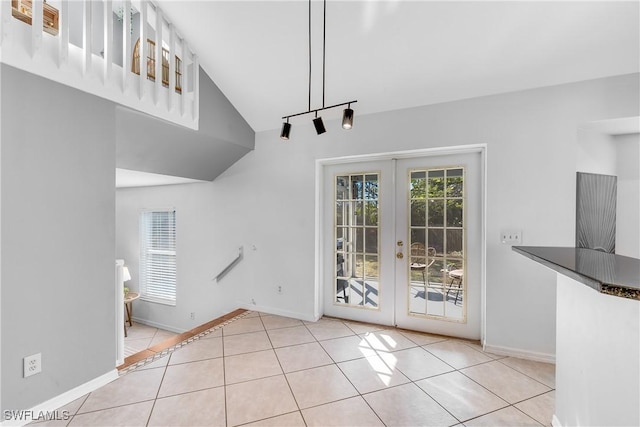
<point>140,337</point>
<point>267,370</point>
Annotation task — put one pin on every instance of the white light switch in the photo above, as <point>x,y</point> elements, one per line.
<point>511,237</point>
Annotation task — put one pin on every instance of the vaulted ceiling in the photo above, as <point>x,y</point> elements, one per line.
<point>396,54</point>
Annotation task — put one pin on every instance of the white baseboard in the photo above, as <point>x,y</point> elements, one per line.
<point>49,407</point>
<point>555,422</point>
<point>279,312</point>
<point>522,354</point>
<point>158,325</point>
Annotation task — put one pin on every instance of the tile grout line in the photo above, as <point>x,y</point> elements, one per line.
<point>502,398</point>
<point>454,369</point>
<point>515,370</point>
<point>224,380</point>
<point>500,409</point>
<point>417,345</point>
<point>76,412</point>
<point>155,400</point>
<point>525,414</point>
<point>335,363</point>
<point>284,374</point>
<point>525,374</point>
<point>353,385</point>
<point>170,349</point>
<point>398,385</point>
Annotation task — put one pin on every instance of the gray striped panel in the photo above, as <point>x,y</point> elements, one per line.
<point>596,212</point>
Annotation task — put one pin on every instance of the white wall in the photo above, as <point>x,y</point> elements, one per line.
<point>211,222</point>
<point>597,152</point>
<point>628,204</point>
<point>267,200</point>
<point>597,372</point>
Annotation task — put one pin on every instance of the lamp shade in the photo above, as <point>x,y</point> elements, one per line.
<point>317,122</point>
<point>126,276</point>
<point>347,118</point>
<point>286,130</point>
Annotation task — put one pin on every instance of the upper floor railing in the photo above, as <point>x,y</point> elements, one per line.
<point>94,46</point>
<point>151,64</point>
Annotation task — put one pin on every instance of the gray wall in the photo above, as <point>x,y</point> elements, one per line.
<point>59,150</point>
<point>147,144</point>
<point>58,232</point>
<point>267,200</point>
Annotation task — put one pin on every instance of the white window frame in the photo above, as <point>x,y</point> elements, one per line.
<point>164,290</point>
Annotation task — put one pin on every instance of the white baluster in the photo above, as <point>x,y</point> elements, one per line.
<point>143,49</point>
<point>108,41</point>
<point>63,42</point>
<point>157,88</point>
<point>86,37</point>
<point>195,110</point>
<point>36,26</point>
<point>185,75</point>
<point>172,66</point>
<point>127,58</point>
<point>5,19</point>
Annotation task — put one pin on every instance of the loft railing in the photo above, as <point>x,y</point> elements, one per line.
<point>68,44</point>
<point>151,64</point>
<point>22,10</point>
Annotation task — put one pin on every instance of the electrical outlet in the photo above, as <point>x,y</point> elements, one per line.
<point>32,365</point>
<point>279,289</point>
<point>511,237</point>
<point>193,315</point>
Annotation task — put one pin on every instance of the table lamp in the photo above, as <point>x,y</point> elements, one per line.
<point>126,276</point>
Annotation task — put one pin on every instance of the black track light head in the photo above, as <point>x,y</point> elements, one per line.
<point>347,118</point>
<point>286,130</point>
<point>317,122</point>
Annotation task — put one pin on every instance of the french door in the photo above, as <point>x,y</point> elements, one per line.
<point>402,242</point>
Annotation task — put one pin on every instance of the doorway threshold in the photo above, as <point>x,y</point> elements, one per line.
<point>169,345</point>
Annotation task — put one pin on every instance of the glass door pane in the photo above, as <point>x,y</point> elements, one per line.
<point>436,229</point>
<point>356,231</point>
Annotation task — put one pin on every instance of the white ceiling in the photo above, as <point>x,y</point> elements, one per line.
<point>396,54</point>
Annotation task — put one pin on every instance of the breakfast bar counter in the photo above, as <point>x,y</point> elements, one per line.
<point>607,273</point>
<point>597,335</point>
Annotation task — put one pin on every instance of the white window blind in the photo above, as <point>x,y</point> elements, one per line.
<point>158,256</point>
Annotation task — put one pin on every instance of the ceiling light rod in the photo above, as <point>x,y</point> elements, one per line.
<point>318,109</point>
<point>347,114</point>
<point>324,44</point>
<point>309,107</point>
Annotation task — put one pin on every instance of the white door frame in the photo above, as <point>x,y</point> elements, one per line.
<point>119,332</point>
<point>439,151</point>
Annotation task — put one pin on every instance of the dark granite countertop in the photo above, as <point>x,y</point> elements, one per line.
<point>607,273</point>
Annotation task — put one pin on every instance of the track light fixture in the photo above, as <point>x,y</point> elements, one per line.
<point>347,115</point>
<point>317,122</point>
<point>286,129</point>
<point>347,118</point>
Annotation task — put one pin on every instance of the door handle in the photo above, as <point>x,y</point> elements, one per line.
<point>399,255</point>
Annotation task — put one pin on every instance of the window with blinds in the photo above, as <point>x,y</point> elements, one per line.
<point>158,256</point>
